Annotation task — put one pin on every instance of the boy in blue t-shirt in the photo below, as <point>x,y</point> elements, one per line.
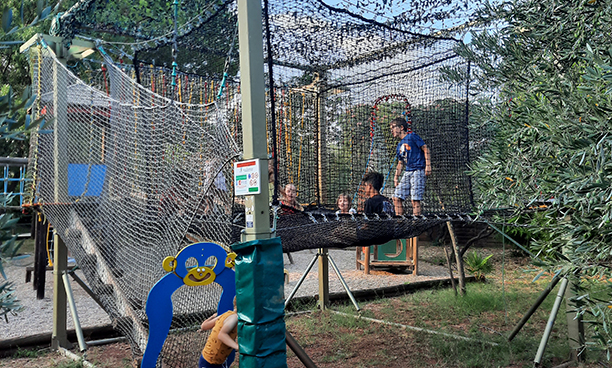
<point>413,156</point>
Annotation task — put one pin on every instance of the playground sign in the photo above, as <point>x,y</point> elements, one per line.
<point>247,178</point>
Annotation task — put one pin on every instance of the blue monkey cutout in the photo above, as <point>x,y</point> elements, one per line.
<point>159,301</point>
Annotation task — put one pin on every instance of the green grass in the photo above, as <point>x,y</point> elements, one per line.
<point>29,353</point>
<point>487,313</point>
<point>298,305</point>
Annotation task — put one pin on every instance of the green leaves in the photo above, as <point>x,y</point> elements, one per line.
<point>8,301</point>
<point>30,14</point>
<point>477,265</point>
<point>552,73</point>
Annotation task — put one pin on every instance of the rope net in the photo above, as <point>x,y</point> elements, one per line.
<point>131,167</point>
<point>122,173</point>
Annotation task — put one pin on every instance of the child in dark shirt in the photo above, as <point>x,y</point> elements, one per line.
<point>376,203</point>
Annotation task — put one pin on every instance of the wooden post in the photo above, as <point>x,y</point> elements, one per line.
<point>458,259</point>
<point>54,45</point>
<point>414,244</point>
<point>323,278</point>
<point>41,229</point>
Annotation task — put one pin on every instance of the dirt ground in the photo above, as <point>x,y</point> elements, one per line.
<point>368,345</point>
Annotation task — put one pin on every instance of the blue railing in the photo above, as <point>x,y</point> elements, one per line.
<point>14,172</point>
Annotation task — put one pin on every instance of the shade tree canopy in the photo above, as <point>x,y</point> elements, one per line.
<point>544,70</point>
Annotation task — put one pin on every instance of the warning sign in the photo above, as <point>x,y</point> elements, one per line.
<point>247,178</point>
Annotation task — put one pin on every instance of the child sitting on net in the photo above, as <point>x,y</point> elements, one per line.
<point>221,345</point>
<point>376,203</point>
<point>289,199</point>
<point>344,205</point>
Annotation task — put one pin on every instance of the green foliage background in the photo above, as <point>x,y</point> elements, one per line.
<point>549,63</point>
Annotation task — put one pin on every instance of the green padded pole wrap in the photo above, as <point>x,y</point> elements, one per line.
<point>260,298</point>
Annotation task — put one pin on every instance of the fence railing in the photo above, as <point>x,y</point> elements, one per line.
<point>14,181</point>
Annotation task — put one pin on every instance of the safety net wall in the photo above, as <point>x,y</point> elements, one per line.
<point>339,81</point>
<point>122,174</point>
<point>135,161</point>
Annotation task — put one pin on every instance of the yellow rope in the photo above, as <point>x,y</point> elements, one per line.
<point>201,102</point>
<point>301,140</point>
<point>180,95</point>
<point>50,260</point>
<point>212,92</point>
<point>190,91</point>
<point>152,84</point>
<point>184,107</point>
<point>288,140</point>
<point>36,117</point>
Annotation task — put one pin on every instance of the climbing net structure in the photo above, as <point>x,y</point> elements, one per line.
<point>338,79</point>
<point>134,161</point>
<point>122,172</point>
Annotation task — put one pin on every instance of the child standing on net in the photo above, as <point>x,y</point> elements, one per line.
<point>221,342</point>
<point>413,155</point>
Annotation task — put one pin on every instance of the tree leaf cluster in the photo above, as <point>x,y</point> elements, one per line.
<point>15,123</point>
<point>9,247</point>
<point>547,70</point>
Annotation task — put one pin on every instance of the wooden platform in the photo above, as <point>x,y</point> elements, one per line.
<point>30,269</point>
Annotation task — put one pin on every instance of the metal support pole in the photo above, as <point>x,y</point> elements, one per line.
<point>533,308</point>
<point>323,279</point>
<point>73,311</point>
<point>301,280</point>
<point>269,349</point>
<point>298,351</point>
<point>550,323</point>
<point>60,171</point>
<point>86,288</point>
<point>344,284</point>
<point>320,255</point>
<point>252,88</point>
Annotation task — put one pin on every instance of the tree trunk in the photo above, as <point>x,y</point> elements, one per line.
<point>450,270</point>
<point>458,258</point>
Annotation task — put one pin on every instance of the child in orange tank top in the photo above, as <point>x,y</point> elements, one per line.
<point>221,343</point>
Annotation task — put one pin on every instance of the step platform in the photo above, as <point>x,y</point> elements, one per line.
<point>398,253</point>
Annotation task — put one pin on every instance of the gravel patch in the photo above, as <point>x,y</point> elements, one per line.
<point>37,315</point>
